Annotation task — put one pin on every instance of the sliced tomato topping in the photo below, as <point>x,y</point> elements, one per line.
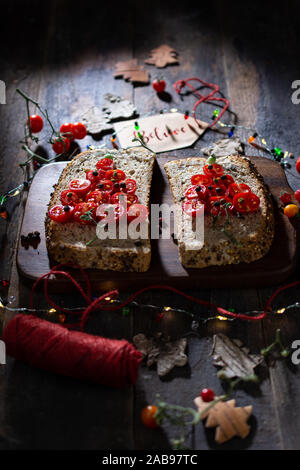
<point>94,176</point>
<point>246,202</point>
<point>196,192</point>
<point>129,198</point>
<point>83,211</point>
<point>105,164</point>
<point>67,197</point>
<point>226,179</point>
<point>216,190</point>
<point>61,214</point>
<point>213,170</point>
<point>201,179</point>
<point>137,210</point>
<point>236,188</point>
<point>80,186</point>
<point>193,207</point>
<point>97,196</point>
<point>115,175</point>
<point>218,205</point>
<point>128,186</point>
<point>111,211</point>
<point>105,185</point>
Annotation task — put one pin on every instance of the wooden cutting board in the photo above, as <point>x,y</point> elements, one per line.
<point>165,268</point>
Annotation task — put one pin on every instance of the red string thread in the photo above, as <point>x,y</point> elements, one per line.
<point>180,84</point>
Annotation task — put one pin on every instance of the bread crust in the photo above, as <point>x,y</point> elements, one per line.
<point>252,236</point>
<point>106,255</point>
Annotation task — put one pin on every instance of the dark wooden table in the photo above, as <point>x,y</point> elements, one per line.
<point>63,54</point>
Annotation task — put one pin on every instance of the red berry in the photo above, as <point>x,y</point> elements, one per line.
<point>285,198</point>
<point>159,85</point>
<point>66,130</point>
<point>79,130</point>
<point>207,394</point>
<point>297,195</point>
<point>36,123</point>
<point>298,165</point>
<point>61,145</point>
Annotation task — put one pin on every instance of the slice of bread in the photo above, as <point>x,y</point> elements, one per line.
<point>67,242</point>
<point>246,239</point>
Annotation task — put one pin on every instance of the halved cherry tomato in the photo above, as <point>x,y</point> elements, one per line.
<point>67,197</point>
<point>61,214</point>
<point>80,186</point>
<point>97,196</point>
<point>128,186</point>
<point>218,205</point>
<point>66,130</point>
<point>213,170</point>
<point>61,145</point>
<point>79,130</point>
<point>148,418</point>
<point>106,185</point>
<point>236,188</point>
<point>36,123</point>
<point>246,202</point>
<point>137,210</point>
<point>129,198</point>
<point>226,179</point>
<point>115,175</point>
<point>196,191</point>
<point>216,190</point>
<point>94,176</point>
<point>201,179</point>
<point>192,207</point>
<point>111,211</point>
<point>81,209</point>
<point>105,164</point>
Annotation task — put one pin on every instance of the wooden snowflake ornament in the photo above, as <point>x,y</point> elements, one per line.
<point>228,419</point>
<point>132,72</point>
<point>162,56</point>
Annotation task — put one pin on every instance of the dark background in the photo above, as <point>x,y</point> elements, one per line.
<point>63,54</point>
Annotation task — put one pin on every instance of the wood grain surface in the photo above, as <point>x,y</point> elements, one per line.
<point>64,57</point>
<point>275,267</point>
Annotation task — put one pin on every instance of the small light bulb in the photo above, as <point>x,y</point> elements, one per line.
<point>219,317</point>
<point>281,310</point>
<point>52,310</point>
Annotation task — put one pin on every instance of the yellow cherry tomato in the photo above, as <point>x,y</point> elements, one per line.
<point>291,210</point>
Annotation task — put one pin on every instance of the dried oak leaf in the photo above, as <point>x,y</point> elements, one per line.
<point>117,107</point>
<point>129,70</point>
<point>167,354</point>
<point>224,147</point>
<point>230,420</point>
<point>234,359</point>
<point>96,121</point>
<point>162,56</point>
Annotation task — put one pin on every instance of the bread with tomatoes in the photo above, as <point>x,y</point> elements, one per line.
<point>230,236</point>
<point>70,241</point>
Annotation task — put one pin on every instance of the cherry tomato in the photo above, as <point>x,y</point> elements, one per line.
<point>213,170</point>
<point>148,416</point>
<point>216,190</point>
<point>113,212</point>
<point>246,202</point>
<point>159,85</point>
<point>193,207</point>
<point>61,214</point>
<point>79,130</point>
<point>298,165</point>
<point>128,186</point>
<point>130,198</point>
<point>196,191</point>
<point>291,210</point>
<point>36,123</point>
<point>68,197</point>
<point>115,175</point>
<point>137,210</point>
<point>81,209</point>
<point>297,195</point>
<point>61,145</point>
<point>207,394</point>
<point>286,198</point>
<point>80,186</point>
<point>97,196</point>
<point>94,176</point>
<point>236,188</point>
<point>217,205</point>
<point>105,164</point>
<point>66,130</point>
<point>226,179</point>
<point>106,185</point>
<point>201,179</point>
